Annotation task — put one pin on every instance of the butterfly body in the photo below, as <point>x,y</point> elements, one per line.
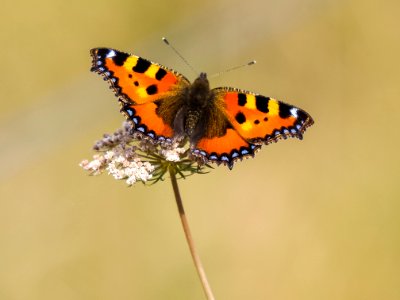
<point>195,119</point>
<point>222,124</point>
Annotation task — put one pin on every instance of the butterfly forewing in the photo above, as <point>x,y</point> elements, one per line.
<point>261,119</point>
<point>135,79</point>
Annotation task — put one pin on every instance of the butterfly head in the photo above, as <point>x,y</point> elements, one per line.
<point>200,90</point>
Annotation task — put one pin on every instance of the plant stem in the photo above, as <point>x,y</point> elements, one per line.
<point>189,239</point>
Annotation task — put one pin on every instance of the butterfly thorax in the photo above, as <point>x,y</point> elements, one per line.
<point>191,118</point>
<point>197,100</point>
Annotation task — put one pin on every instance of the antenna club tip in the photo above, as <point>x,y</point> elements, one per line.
<point>165,40</point>
<point>253,62</point>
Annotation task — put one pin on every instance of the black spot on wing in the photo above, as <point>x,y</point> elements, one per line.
<point>242,99</point>
<point>284,110</point>
<point>141,66</point>
<point>262,103</point>
<point>160,74</point>
<point>136,83</point>
<point>120,58</point>
<point>151,89</point>
<point>240,118</point>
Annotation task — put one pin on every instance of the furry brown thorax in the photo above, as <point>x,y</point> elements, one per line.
<point>193,118</point>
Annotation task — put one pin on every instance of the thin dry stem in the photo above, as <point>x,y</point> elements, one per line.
<point>189,239</point>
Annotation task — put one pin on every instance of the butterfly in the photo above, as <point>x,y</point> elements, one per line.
<point>223,124</point>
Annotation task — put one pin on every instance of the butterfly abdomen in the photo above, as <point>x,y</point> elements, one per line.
<point>191,121</point>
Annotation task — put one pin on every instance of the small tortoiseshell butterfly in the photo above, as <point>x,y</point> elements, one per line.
<point>222,124</point>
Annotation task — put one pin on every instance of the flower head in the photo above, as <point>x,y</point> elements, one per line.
<point>128,156</point>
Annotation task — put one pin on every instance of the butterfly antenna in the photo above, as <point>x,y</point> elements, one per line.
<point>180,55</point>
<point>253,62</point>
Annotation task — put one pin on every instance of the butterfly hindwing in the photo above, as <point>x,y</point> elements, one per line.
<point>225,149</point>
<point>262,120</point>
<point>147,122</point>
<point>141,86</point>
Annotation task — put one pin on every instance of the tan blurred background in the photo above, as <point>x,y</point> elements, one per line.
<point>316,219</point>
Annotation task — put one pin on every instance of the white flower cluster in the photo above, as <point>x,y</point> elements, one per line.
<point>96,166</point>
<point>120,166</point>
<point>128,155</point>
<point>173,153</point>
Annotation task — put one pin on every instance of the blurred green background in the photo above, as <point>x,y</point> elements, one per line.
<point>316,219</point>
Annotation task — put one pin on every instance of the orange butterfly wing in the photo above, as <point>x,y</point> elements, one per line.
<point>262,120</point>
<point>252,120</point>
<point>224,149</point>
<point>140,84</point>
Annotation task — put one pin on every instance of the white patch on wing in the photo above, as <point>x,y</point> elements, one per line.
<point>111,54</point>
<point>293,111</point>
